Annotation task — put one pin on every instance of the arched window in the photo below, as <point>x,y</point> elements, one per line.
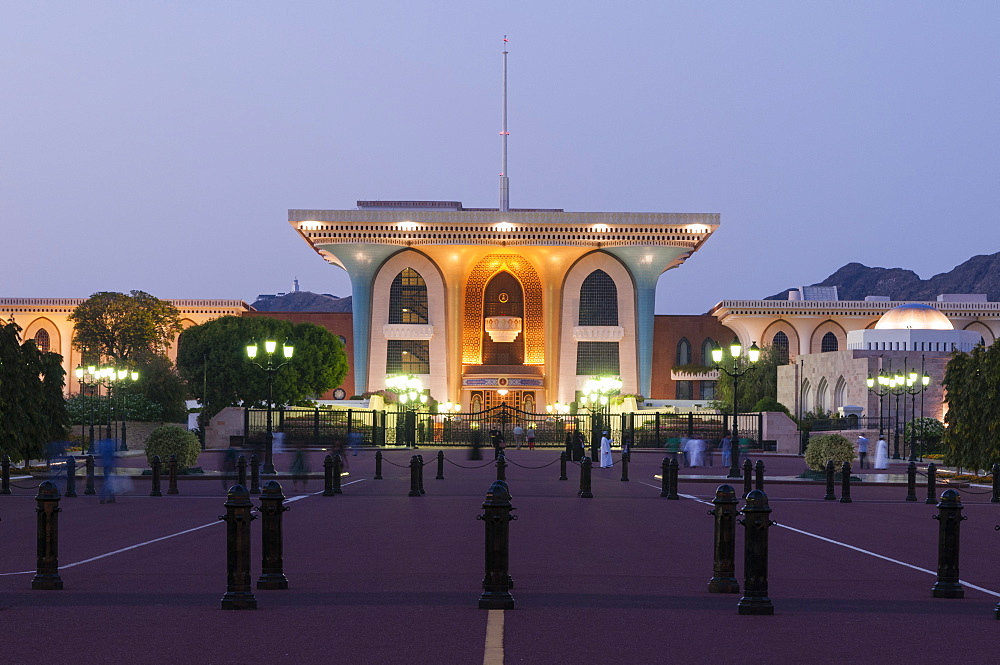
<point>42,340</point>
<point>683,352</point>
<point>839,393</point>
<point>804,401</point>
<point>829,343</point>
<point>598,300</point>
<point>822,396</point>
<point>706,354</point>
<point>408,298</point>
<point>780,344</point>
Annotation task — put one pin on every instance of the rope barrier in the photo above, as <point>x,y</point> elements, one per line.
<point>533,467</point>
<point>462,466</point>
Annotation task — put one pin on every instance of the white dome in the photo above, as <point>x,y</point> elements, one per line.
<point>914,316</point>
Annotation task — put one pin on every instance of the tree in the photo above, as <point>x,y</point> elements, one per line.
<point>972,385</point>
<point>755,385</point>
<point>133,331</point>
<point>161,384</point>
<point>32,410</point>
<point>124,329</point>
<point>212,360</point>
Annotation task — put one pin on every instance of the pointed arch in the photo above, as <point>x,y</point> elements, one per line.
<point>822,396</point>
<point>805,396</point>
<point>598,300</point>
<point>479,276</point>
<point>820,337</point>
<point>706,353</point>
<point>840,393</point>
<point>683,352</point>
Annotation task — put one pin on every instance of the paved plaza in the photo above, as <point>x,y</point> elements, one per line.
<point>377,576</point>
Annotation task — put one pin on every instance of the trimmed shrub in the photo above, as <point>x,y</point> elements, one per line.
<point>170,440</point>
<point>826,447</point>
<point>770,405</point>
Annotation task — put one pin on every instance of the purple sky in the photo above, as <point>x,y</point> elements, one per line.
<point>158,146</point>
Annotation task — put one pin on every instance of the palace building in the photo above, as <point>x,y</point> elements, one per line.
<point>487,306</point>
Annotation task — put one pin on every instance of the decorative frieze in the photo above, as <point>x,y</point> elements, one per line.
<point>598,333</point>
<point>407,331</point>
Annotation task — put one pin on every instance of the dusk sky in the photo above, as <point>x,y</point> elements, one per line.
<point>158,146</point>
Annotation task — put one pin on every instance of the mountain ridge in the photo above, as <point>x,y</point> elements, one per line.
<point>854,281</point>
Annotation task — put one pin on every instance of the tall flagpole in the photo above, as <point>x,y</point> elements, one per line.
<point>504,181</point>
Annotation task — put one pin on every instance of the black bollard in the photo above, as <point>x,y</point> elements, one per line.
<point>950,517</point>
<point>501,465</point>
<point>562,466</point>
<point>756,520</point>
<point>758,470</point>
<point>328,476</point>
<point>415,472</point>
<point>830,496</point>
<point>378,465</point>
<point>724,568</point>
<point>272,574</point>
<point>440,473</point>
<point>665,478</point>
<point>747,477</point>
<point>672,471</point>
<point>338,469</point>
<point>239,594</point>
<point>47,567</point>
<point>845,483</point>
<point>420,474</point>
<point>155,464</point>
<point>585,470</point>
<point>931,483</point>
<point>254,474</point>
<point>497,582</point>
<point>241,471</point>
<point>70,476</point>
<point>172,476</point>
<point>996,484</point>
<point>5,474</point>
<point>624,463</point>
<point>911,481</point>
<point>90,476</point>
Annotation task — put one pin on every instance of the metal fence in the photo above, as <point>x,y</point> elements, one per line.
<point>403,427</point>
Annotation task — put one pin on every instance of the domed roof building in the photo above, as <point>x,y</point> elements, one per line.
<point>913,327</point>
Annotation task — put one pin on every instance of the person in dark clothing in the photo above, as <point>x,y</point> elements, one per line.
<point>497,441</point>
<point>578,446</point>
<point>477,442</point>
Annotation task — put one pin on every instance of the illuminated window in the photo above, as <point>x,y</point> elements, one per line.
<point>829,343</point>
<point>408,298</point>
<point>407,356</point>
<point>598,300</point>
<point>42,340</point>
<point>594,358</point>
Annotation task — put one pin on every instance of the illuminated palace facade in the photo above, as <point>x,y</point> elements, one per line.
<point>520,306</point>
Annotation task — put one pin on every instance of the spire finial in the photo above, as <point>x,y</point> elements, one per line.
<point>504,181</point>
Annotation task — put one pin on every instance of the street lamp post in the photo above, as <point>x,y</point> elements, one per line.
<point>597,394</point>
<point>270,368</point>
<point>740,367</point>
<point>411,395</point>
<point>124,376</point>
<point>882,381</point>
<point>916,385</point>
<point>83,377</point>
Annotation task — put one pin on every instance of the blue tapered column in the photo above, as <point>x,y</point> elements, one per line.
<point>362,263</point>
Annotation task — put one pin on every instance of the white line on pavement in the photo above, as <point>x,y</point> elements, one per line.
<point>493,652</point>
<point>161,538</point>
<point>850,547</point>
